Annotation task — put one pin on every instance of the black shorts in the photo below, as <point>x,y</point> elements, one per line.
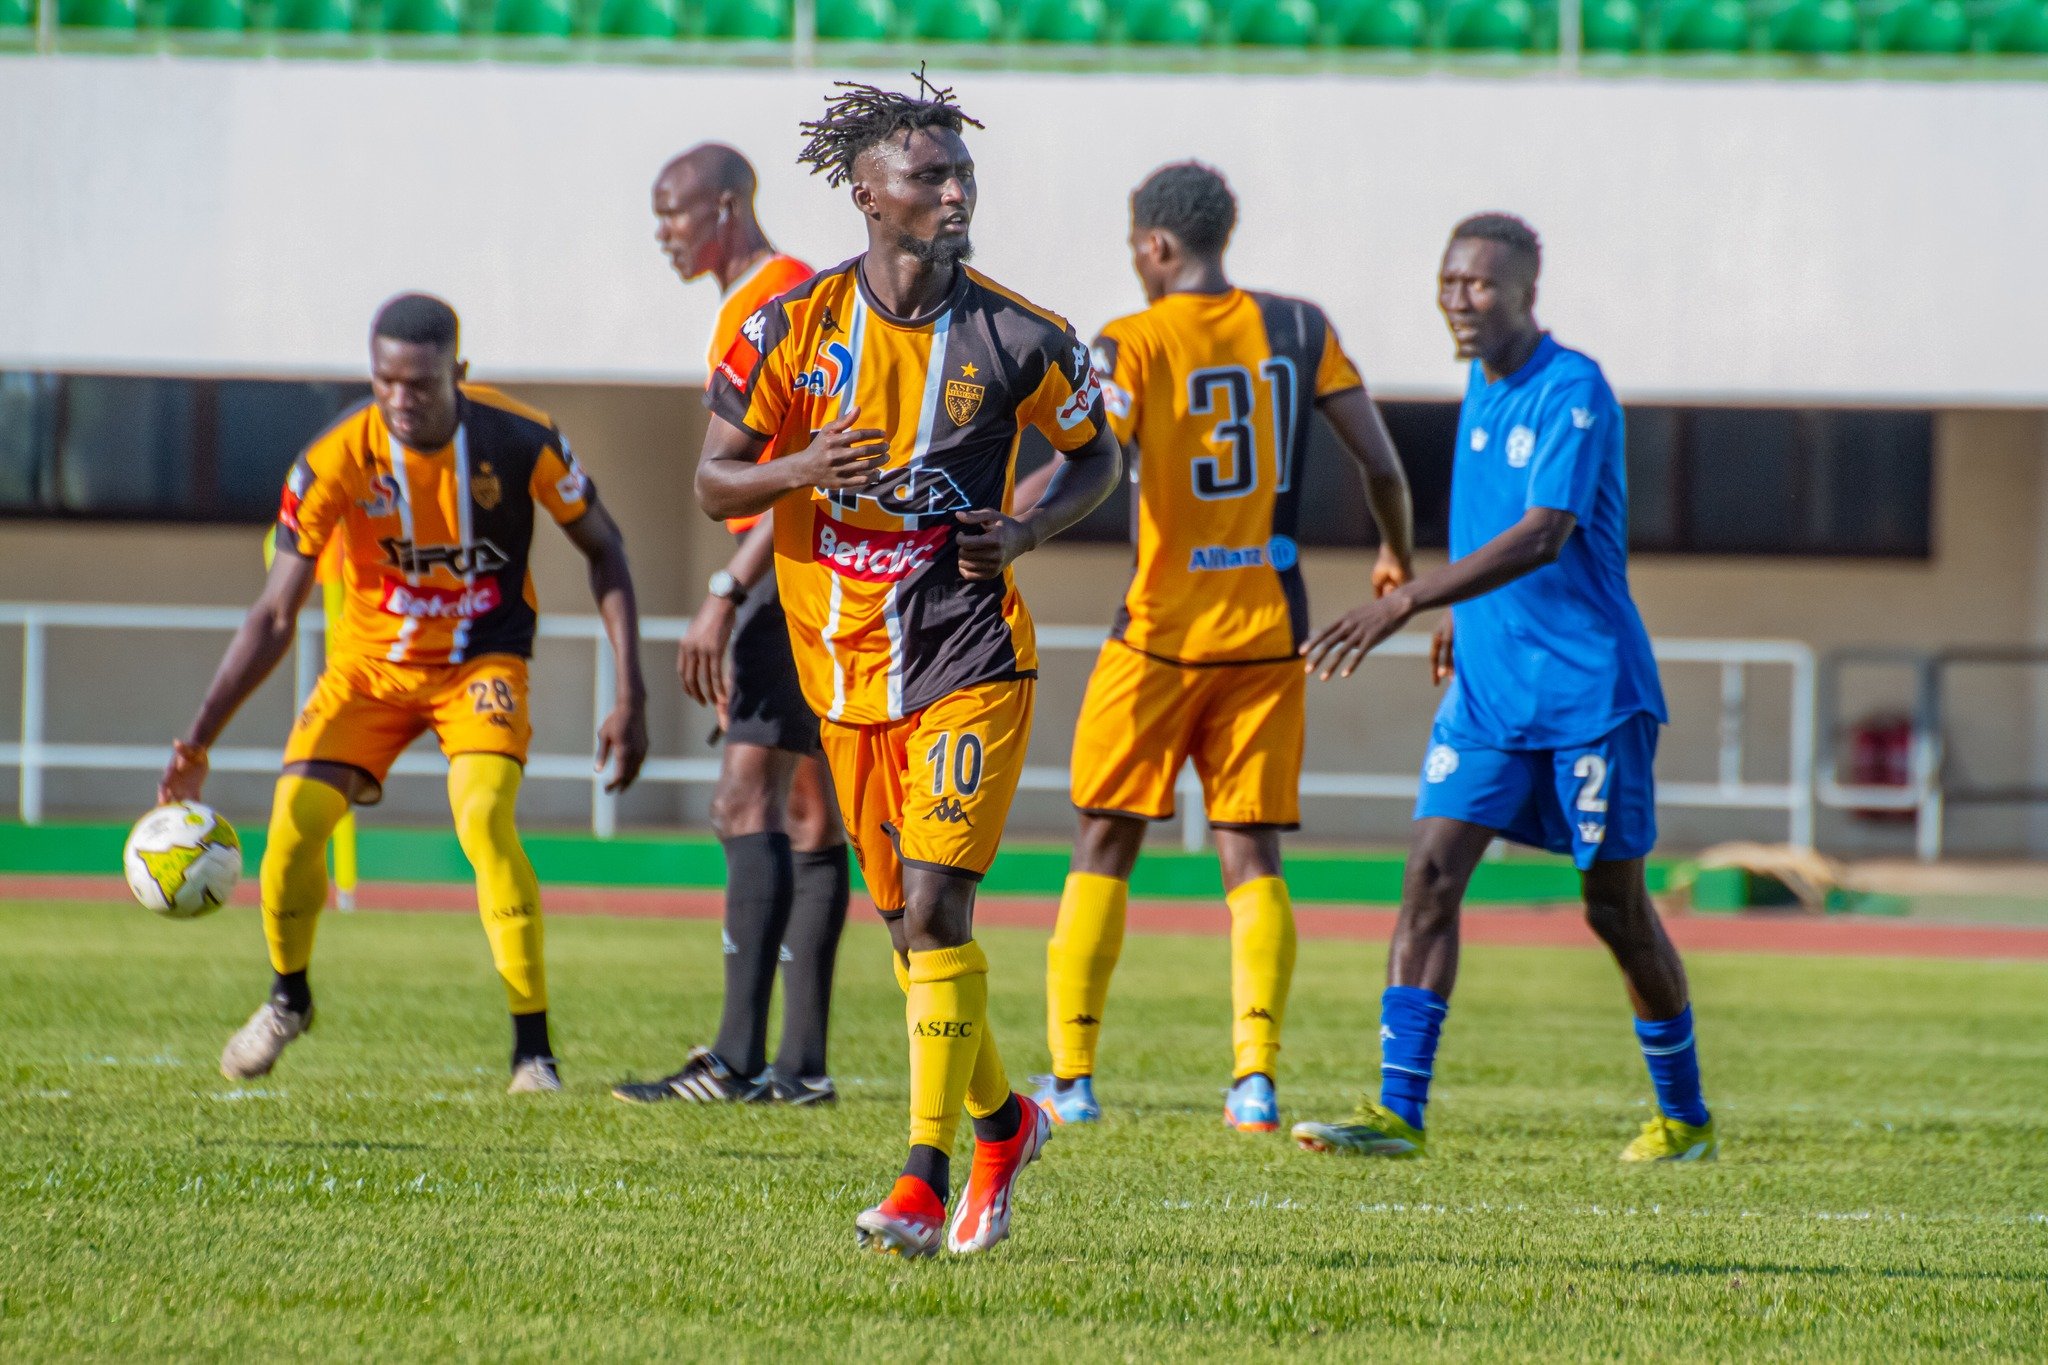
<point>767,704</point>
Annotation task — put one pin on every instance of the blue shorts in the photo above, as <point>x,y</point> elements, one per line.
<point>1594,802</point>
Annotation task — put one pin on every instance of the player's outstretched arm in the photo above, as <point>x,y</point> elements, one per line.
<point>1357,421</point>
<point>1534,541</point>
<point>732,480</point>
<point>624,733</point>
<point>261,643</point>
<point>1081,481</point>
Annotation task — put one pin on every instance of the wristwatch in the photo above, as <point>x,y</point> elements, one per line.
<point>723,584</point>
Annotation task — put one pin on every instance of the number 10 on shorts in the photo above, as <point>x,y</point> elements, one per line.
<point>964,768</point>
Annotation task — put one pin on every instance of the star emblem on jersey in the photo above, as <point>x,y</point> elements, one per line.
<point>963,400</point>
<point>485,488</point>
<point>1521,445</point>
<point>969,371</point>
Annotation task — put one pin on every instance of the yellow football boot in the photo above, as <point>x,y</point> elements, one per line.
<point>1666,1139</point>
<point>1373,1130</point>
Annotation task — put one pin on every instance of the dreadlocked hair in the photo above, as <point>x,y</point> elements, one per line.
<point>860,116</point>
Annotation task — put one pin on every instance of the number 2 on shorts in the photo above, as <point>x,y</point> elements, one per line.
<point>1591,770</point>
<point>965,768</point>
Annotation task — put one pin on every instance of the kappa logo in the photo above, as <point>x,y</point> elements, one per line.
<point>1084,1020</point>
<point>1591,831</point>
<point>1478,438</point>
<point>1521,445</point>
<point>827,324</point>
<point>1387,1035</point>
<point>460,560</point>
<point>1257,1012</point>
<point>1582,418</point>
<point>828,373</point>
<point>385,495</point>
<point>1441,763</point>
<point>754,328</point>
<point>948,811</point>
<point>963,400</point>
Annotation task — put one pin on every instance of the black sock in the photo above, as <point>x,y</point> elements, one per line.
<point>530,1036</point>
<point>290,990</point>
<point>1002,1125</point>
<point>810,946</point>
<point>759,881</point>
<point>933,1167</point>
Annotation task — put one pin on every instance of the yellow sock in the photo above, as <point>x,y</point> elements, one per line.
<point>483,791</point>
<point>303,813</point>
<point>947,1013</point>
<point>989,1087</point>
<point>1261,969</point>
<point>1086,943</point>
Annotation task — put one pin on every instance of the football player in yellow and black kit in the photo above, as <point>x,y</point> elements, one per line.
<point>891,393</point>
<point>431,489</point>
<point>1217,387</point>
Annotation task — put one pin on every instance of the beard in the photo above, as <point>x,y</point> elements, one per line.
<point>938,251</point>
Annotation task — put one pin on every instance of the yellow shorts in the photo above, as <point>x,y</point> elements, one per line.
<point>1242,724</point>
<point>931,790</point>
<point>363,712</point>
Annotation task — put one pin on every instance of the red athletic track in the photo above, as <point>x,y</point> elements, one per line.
<point>1561,927</point>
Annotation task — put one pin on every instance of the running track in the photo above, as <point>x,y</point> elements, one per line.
<point>1561,927</point>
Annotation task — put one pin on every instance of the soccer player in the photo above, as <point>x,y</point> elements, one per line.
<point>890,393</point>
<point>1549,729</point>
<point>786,877</point>
<point>431,488</point>
<point>1218,387</point>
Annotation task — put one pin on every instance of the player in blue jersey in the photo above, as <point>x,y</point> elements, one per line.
<point>1548,731</point>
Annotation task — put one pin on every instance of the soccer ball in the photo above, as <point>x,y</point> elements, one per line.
<point>183,860</point>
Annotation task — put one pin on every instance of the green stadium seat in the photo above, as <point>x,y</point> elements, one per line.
<point>755,20</point>
<point>1815,28</point>
<point>1063,21</point>
<point>2018,27</point>
<point>1271,23</point>
<point>1399,24</point>
<point>533,19</point>
<point>328,17</point>
<point>1924,27</point>
<point>436,18</point>
<point>1176,23</point>
<point>958,21</point>
<point>17,14</point>
<point>1490,26</point>
<point>856,21</point>
<point>637,19</point>
<point>96,13</point>
<point>1611,26</point>
<point>1704,26</point>
<point>210,16</point>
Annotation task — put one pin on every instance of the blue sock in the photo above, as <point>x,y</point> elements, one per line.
<point>1410,1018</point>
<point>1674,1066</point>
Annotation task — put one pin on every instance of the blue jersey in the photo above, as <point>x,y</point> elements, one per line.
<point>1559,657</point>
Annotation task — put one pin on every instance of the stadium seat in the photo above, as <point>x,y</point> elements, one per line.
<point>326,17</point>
<point>533,19</point>
<point>438,18</point>
<point>1397,24</point>
<point>856,21</point>
<point>1704,26</point>
<point>17,14</point>
<point>1610,26</point>
<point>1924,27</point>
<point>96,13</point>
<point>637,19</point>
<point>2020,26</point>
<point>1815,28</point>
<point>958,21</point>
<point>1271,23</point>
<point>1490,26</point>
<point>1063,21</point>
<point>210,16</point>
<point>1179,23</point>
<point>757,20</point>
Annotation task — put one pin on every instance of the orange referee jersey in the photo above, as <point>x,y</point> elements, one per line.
<point>433,544</point>
<point>1218,390</point>
<point>881,620</point>
<point>771,275</point>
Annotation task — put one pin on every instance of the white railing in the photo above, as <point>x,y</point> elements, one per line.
<point>34,755</point>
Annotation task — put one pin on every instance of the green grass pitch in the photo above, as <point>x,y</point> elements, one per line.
<point>1883,1191</point>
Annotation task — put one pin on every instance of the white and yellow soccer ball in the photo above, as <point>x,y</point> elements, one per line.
<point>183,860</point>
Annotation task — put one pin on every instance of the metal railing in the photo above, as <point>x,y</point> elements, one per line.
<point>35,754</point>
<point>1931,785</point>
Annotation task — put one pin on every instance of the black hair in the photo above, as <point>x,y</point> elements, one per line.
<point>861,116</point>
<point>1510,231</point>
<point>1190,200</point>
<point>418,318</point>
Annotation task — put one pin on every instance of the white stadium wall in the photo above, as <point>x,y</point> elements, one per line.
<point>1707,239</point>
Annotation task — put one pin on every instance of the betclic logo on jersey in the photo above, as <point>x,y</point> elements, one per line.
<point>874,556</point>
<point>430,603</point>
